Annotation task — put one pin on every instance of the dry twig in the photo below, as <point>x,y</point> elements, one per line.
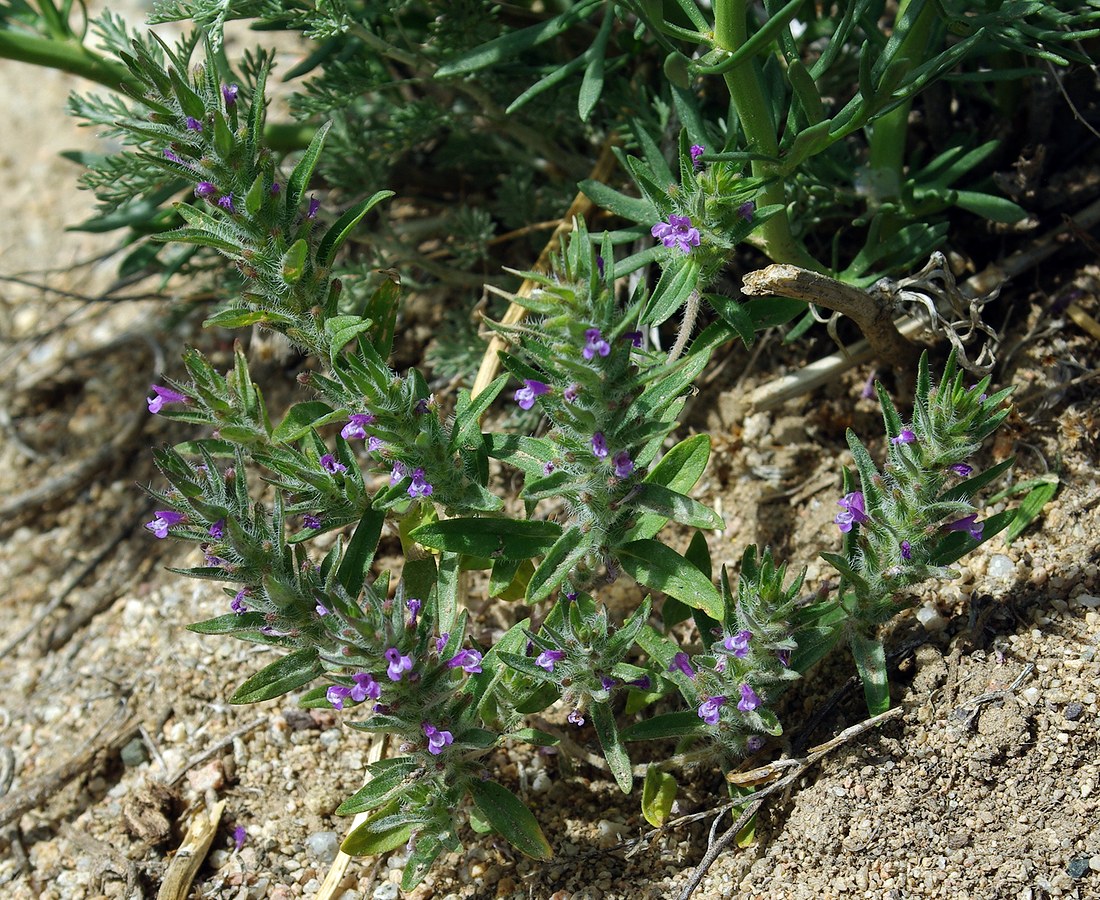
<point>185,864</point>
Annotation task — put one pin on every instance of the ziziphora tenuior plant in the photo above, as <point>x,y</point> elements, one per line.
<point>599,485</point>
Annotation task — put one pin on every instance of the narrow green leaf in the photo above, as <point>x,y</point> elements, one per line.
<point>512,820</point>
<point>386,776</point>
<point>636,209</point>
<point>658,795</point>
<point>366,841</point>
<point>355,566</point>
<point>557,564</point>
<point>668,725</point>
<point>490,538</point>
<point>301,418</point>
<point>282,676</point>
<point>341,229</point>
<point>651,563</point>
<point>870,660</point>
<point>677,281</point>
<point>299,179</point>
<point>656,498</point>
<point>603,719</point>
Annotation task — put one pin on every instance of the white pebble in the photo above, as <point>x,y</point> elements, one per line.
<point>931,619</point>
<point>1030,695</point>
<point>541,783</point>
<point>1000,567</point>
<point>386,891</point>
<point>323,845</point>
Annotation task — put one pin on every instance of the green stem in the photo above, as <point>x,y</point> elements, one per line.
<point>747,92</point>
<point>886,158</point>
<point>67,56</point>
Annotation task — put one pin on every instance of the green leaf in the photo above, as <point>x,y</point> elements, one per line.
<point>668,725</point>
<point>244,318</point>
<point>592,83</point>
<point>677,281</point>
<point>341,330</point>
<point>656,498</point>
<point>988,206</point>
<point>341,229</point>
<point>467,424</point>
<point>299,179</point>
<point>490,538</point>
<point>386,776</point>
<point>603,719</point>
<point>515,43</point>
<point>233,623</point>
<point>294,262</point>
<point>366,841</point>
<point>512,820</point>
<point>557,564</point>
<point>870,657</point>
<point>658,795</point>
<point>678,471</point>
<point>659,567</point>
<point>281,677</point>
<point>636,209</point>
<point>355,566</point>
<point>301,418</point>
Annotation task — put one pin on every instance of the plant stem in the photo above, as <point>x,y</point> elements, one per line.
<point>67,56</point>
<point>747,93</point>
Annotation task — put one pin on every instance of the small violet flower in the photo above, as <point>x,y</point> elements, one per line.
<point>226,203</point>
<point>217,530</point>
<point>229,94</point>
<point>310,521</point>
<point>961,469</point>
<point>594,344</point>
<point>165,519</point>
<point>321,609</point>
<point>623,464</point>
<point>746,210</point>
<point>547,658</point>
<point>906,437</point>
<point>414,606</point>
<point>680,661</point>
<point>677,232</point>
<point>575,717</point>
<point>854,512</point>
<point>710,709</point>
<point>437,739</point>
<point>162,397</point>
<point>970,525</point>
<point>599,265</point>
<point>441,642</point>
<point>332,465</point>
<point>599,445</point>
<point>193,124</point>
<point>398,472</point>
<point>635,338</point>
<point>356,427</point>
<point>607,682</point>
<point>172,157</point>
<point>419,486</point>
<point>397,664</point>
<point>525,396</point>
<point>237,605</point>
<point>738,643</point>
<point>467,660</point>
<point>749,701</point>
<point>205,189</point>
<point>754,743</point>
<point>239,837</point>
<point>570,394</point>
<point>365,686</point>
<point>697,150</point>
<point>374,444</point>
<point>314,205</point>
<point>906,550</point>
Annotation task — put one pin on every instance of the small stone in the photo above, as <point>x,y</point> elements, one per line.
<point>1000,567</point>
<point>931,619</point>
<point>1094,863</point>
<point>1073,711</point>
<point>133,754</point>
<point>386,891</point>
<point>208,777</point>
<point>324,845</point>
<point>1077,867</point>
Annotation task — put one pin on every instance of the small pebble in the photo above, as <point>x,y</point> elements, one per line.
<point>386,891</point>
<point>1073,711</point>
<point>931,619</point>
<point>323,845</point>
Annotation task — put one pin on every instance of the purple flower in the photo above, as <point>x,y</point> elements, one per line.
<point>205,189</point>
<point>680,661</point>
<point>331,465</point>
<point>193,124</point>
<point>623,464</point>
<point>635,338</point>
<point>710,709</point>
<point>547,468</point>
<point>336,695</point>
<point>239,837</point>
<point>226,203</point>
<point>738,643</point>
<point>365,686</point>
<point>755,743</point>
<point>321,609</point>
<point>467,660</point>
<point>414,606</point>
<point>311,521</point>
<point>163,396</point>
<point>419,486</point>
<point>398,472</point>
<point>437,739</point>
<point>165,519</point>
<point>237,605</point>
<point>229,94</point>
<point>697,150</point>
<point>746,210</point>
<point>970,525</point>
<point>209,559</point>
<point>643,684</point>
<point>275,188</point>
<point>749,701</point>
<point>599,265</point>
<point>784,657</point>
<point>171,157</point>
<point>906,550</point>
<point>314,205</point>
<point>677,232</point>
<point>424,404</point>
<point>906,437</point>
<point>575,717</point>
<point>217,530</point>
<point>356,427</point>
<point>570,394</point>
<point>607,682</point>
<point>547,658</point>
<point>854,512</point>
<point>594,343</point>
<point>374,444</point>
<point>397,663</point>
<point>961,469</point>
<point>525,396</point>
<point>599,445</point>
<point>441,642</point>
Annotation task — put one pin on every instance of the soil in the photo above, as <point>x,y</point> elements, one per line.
<point>984,786</point>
